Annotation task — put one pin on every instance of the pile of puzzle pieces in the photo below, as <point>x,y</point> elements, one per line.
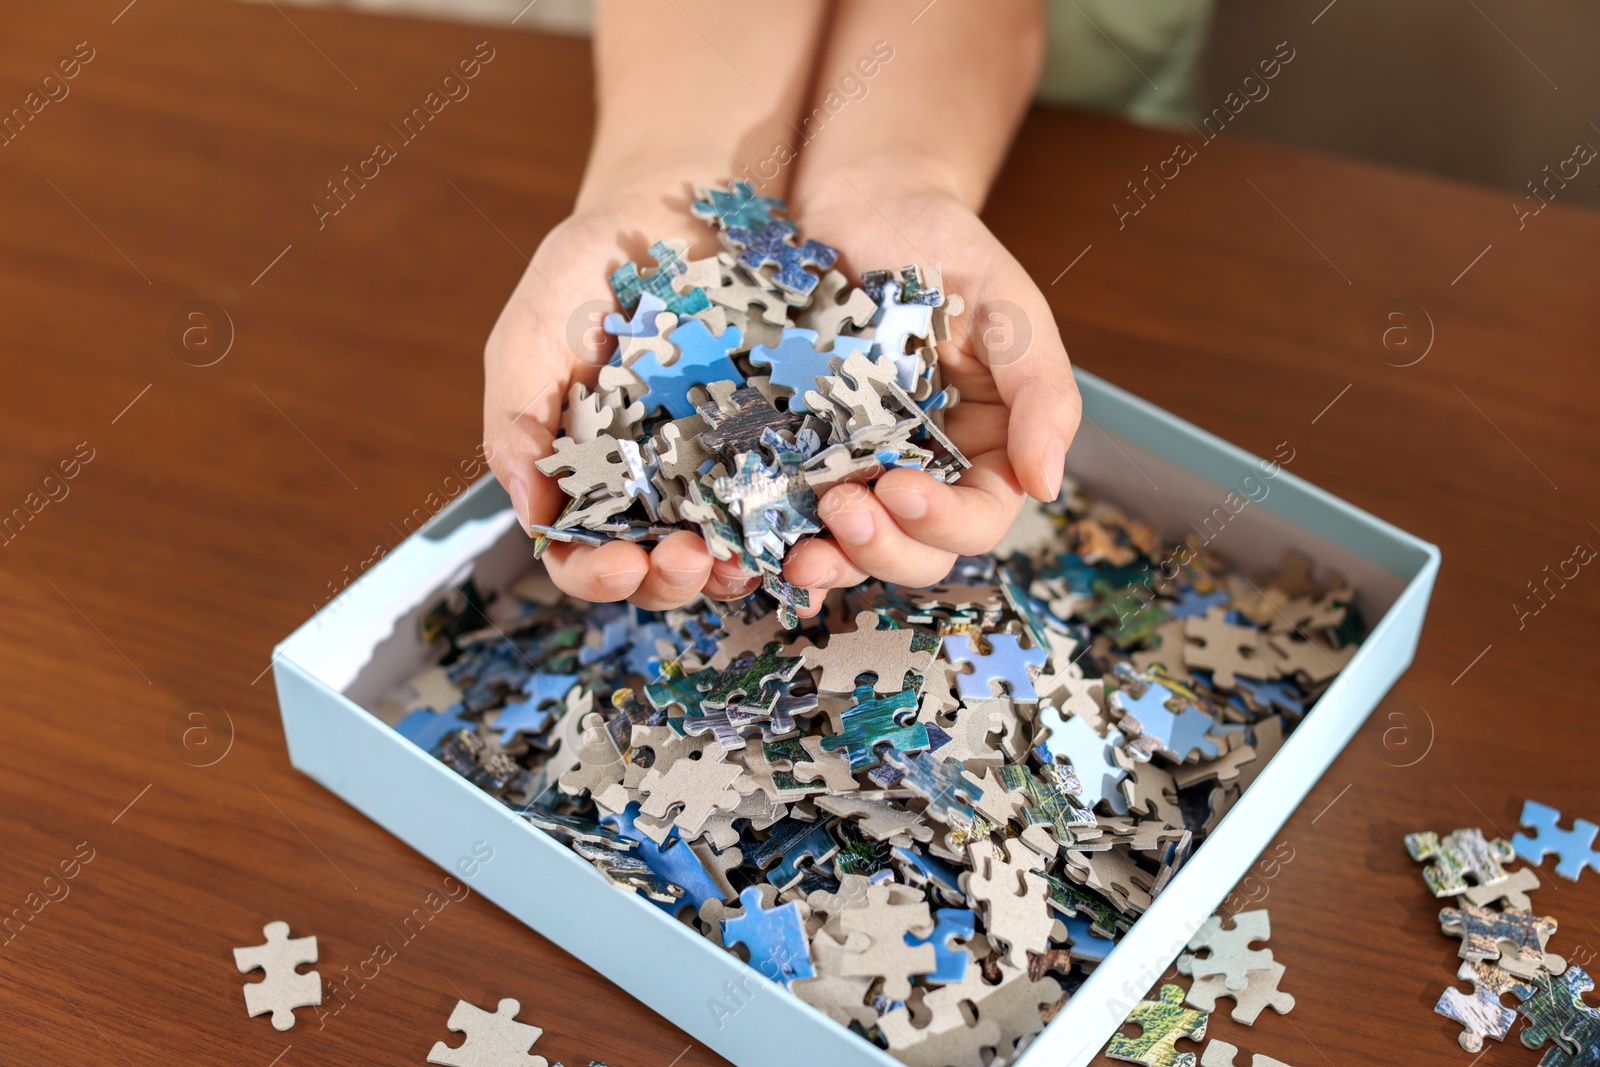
<point>745,385</point>
<point>923,801</point>
<point>1503,941</point>
<point>1221,963</point>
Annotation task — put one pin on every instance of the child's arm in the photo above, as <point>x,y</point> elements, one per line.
<point>675,109</point>
<point>897,177</point>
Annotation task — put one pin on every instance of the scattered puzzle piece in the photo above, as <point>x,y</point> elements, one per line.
<point>284,988</point>
<point>1162,1023</point>
<point>1574,848</point>
<point>493,1039</point>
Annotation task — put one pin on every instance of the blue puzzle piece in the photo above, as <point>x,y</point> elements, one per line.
<point>796,364</point>
<point>1006,662</point>
<point>772,246</point>
<point>1193,604</point>
<point>775,938</point>
<point>673,860</point>
<point>950,924</point>
<point>1086,944</point>
<point>1574,848</point>
<point>425,727</point>
<point>703,358</point>
<point>1178,734</point>
<point>529,713</point>
<point>1076,742</point>
<point>789,845</point>
<point>643,323</point>
<point>630,287</point>
<point>1279,695</point>
<point>923,870</point>
<point>737,206</point>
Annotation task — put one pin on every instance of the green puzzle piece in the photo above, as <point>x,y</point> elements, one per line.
<point>1162,1022</point>
<point>874,721</point>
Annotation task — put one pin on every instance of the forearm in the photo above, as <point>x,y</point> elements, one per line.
<point>694,90</point>
<point>942,111</point>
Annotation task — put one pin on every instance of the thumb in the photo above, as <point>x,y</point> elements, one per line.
<point>1022,348</point>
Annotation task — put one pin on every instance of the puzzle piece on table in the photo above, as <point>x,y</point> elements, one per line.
<point>1574,848</point>
<point>1512,891</point>
<point>951,925</point>
<point>1219,646</point>
<point>1006,662</point>
<point>1459,856</point>
<point>872,721</point>
<point>1481,1013</point>
<point>1090,755</point>
<point>703,358</point>
<point>529,713</point>
<point>1162,1022</point>
<point>1555,1006</point>
<point>827,315</point>
<point>773,246</point>
<point>284,988</point>
<point>1260,992</point>
<point>493,1038</point>
<point>888,654</point>
<point>1584,1036</point>
<point>1152,726</point>
<point>775,938</point>
<point>1515,938</point>
<point>1013,898</point>
<point>1219,1053</point>
<point>797,363</point>
<point>630,285</point>
<point>890,913</point>
<point>738,205</point>
<point>1228,951</point>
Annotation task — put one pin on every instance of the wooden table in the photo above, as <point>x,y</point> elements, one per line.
<point>214,507</point>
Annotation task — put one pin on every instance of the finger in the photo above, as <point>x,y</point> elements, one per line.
<point>817,563</point>
<point>611,571</point>
<point>1023,350</point>
<point>967,517</point>
<point>872,540</point>
<point>679,567</point>
<point>524,385</point>
<point>721,588</point>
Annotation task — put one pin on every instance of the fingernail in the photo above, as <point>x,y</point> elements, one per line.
<point>1055,458</point>
<point>852,525</point>
<point>617,581</point>
<point>517,490</point>
<point>905,502</point>
<point>681,578</point>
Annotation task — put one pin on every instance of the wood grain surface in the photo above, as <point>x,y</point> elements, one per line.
<point>213,508</point>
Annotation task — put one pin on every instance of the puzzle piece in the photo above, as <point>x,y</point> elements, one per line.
<point>775,938</point>
<point>1513,890</point>
<point>1482,1014</point>
<point>1219,1053</point>
<point>773,246</point>
<point>643,323</point>
<point>703,358</point>
<point>1007,662</point>
<point>493,1039</point>
<point>1574,848</point>
<point>905,314</point>
<point>630,285</point>
<point>1225,649</point>
<point>887,916</point>
<point>1515,938</point>
<point>1227,950</point>
<point>887,654</point>
<point>1162,1023</point>
<point>530,713</point>
<point>425,728</point>
<point>1260,992</point>
<point>1457,857</point>
<point>1554,1007</point>
<point>283,988</point>
<point>796,364</point>
<point>830,311</point>
<point>1090,755</point>
<point>738,205</point>
<point>951,925</point>
<point>1012,898</point>
<point>1151,725</point>
<point>874,721</point>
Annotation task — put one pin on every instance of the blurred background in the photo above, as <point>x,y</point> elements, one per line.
<point>1487,91</point>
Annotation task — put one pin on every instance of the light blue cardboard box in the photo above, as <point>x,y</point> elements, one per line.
<point>332,672</point>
